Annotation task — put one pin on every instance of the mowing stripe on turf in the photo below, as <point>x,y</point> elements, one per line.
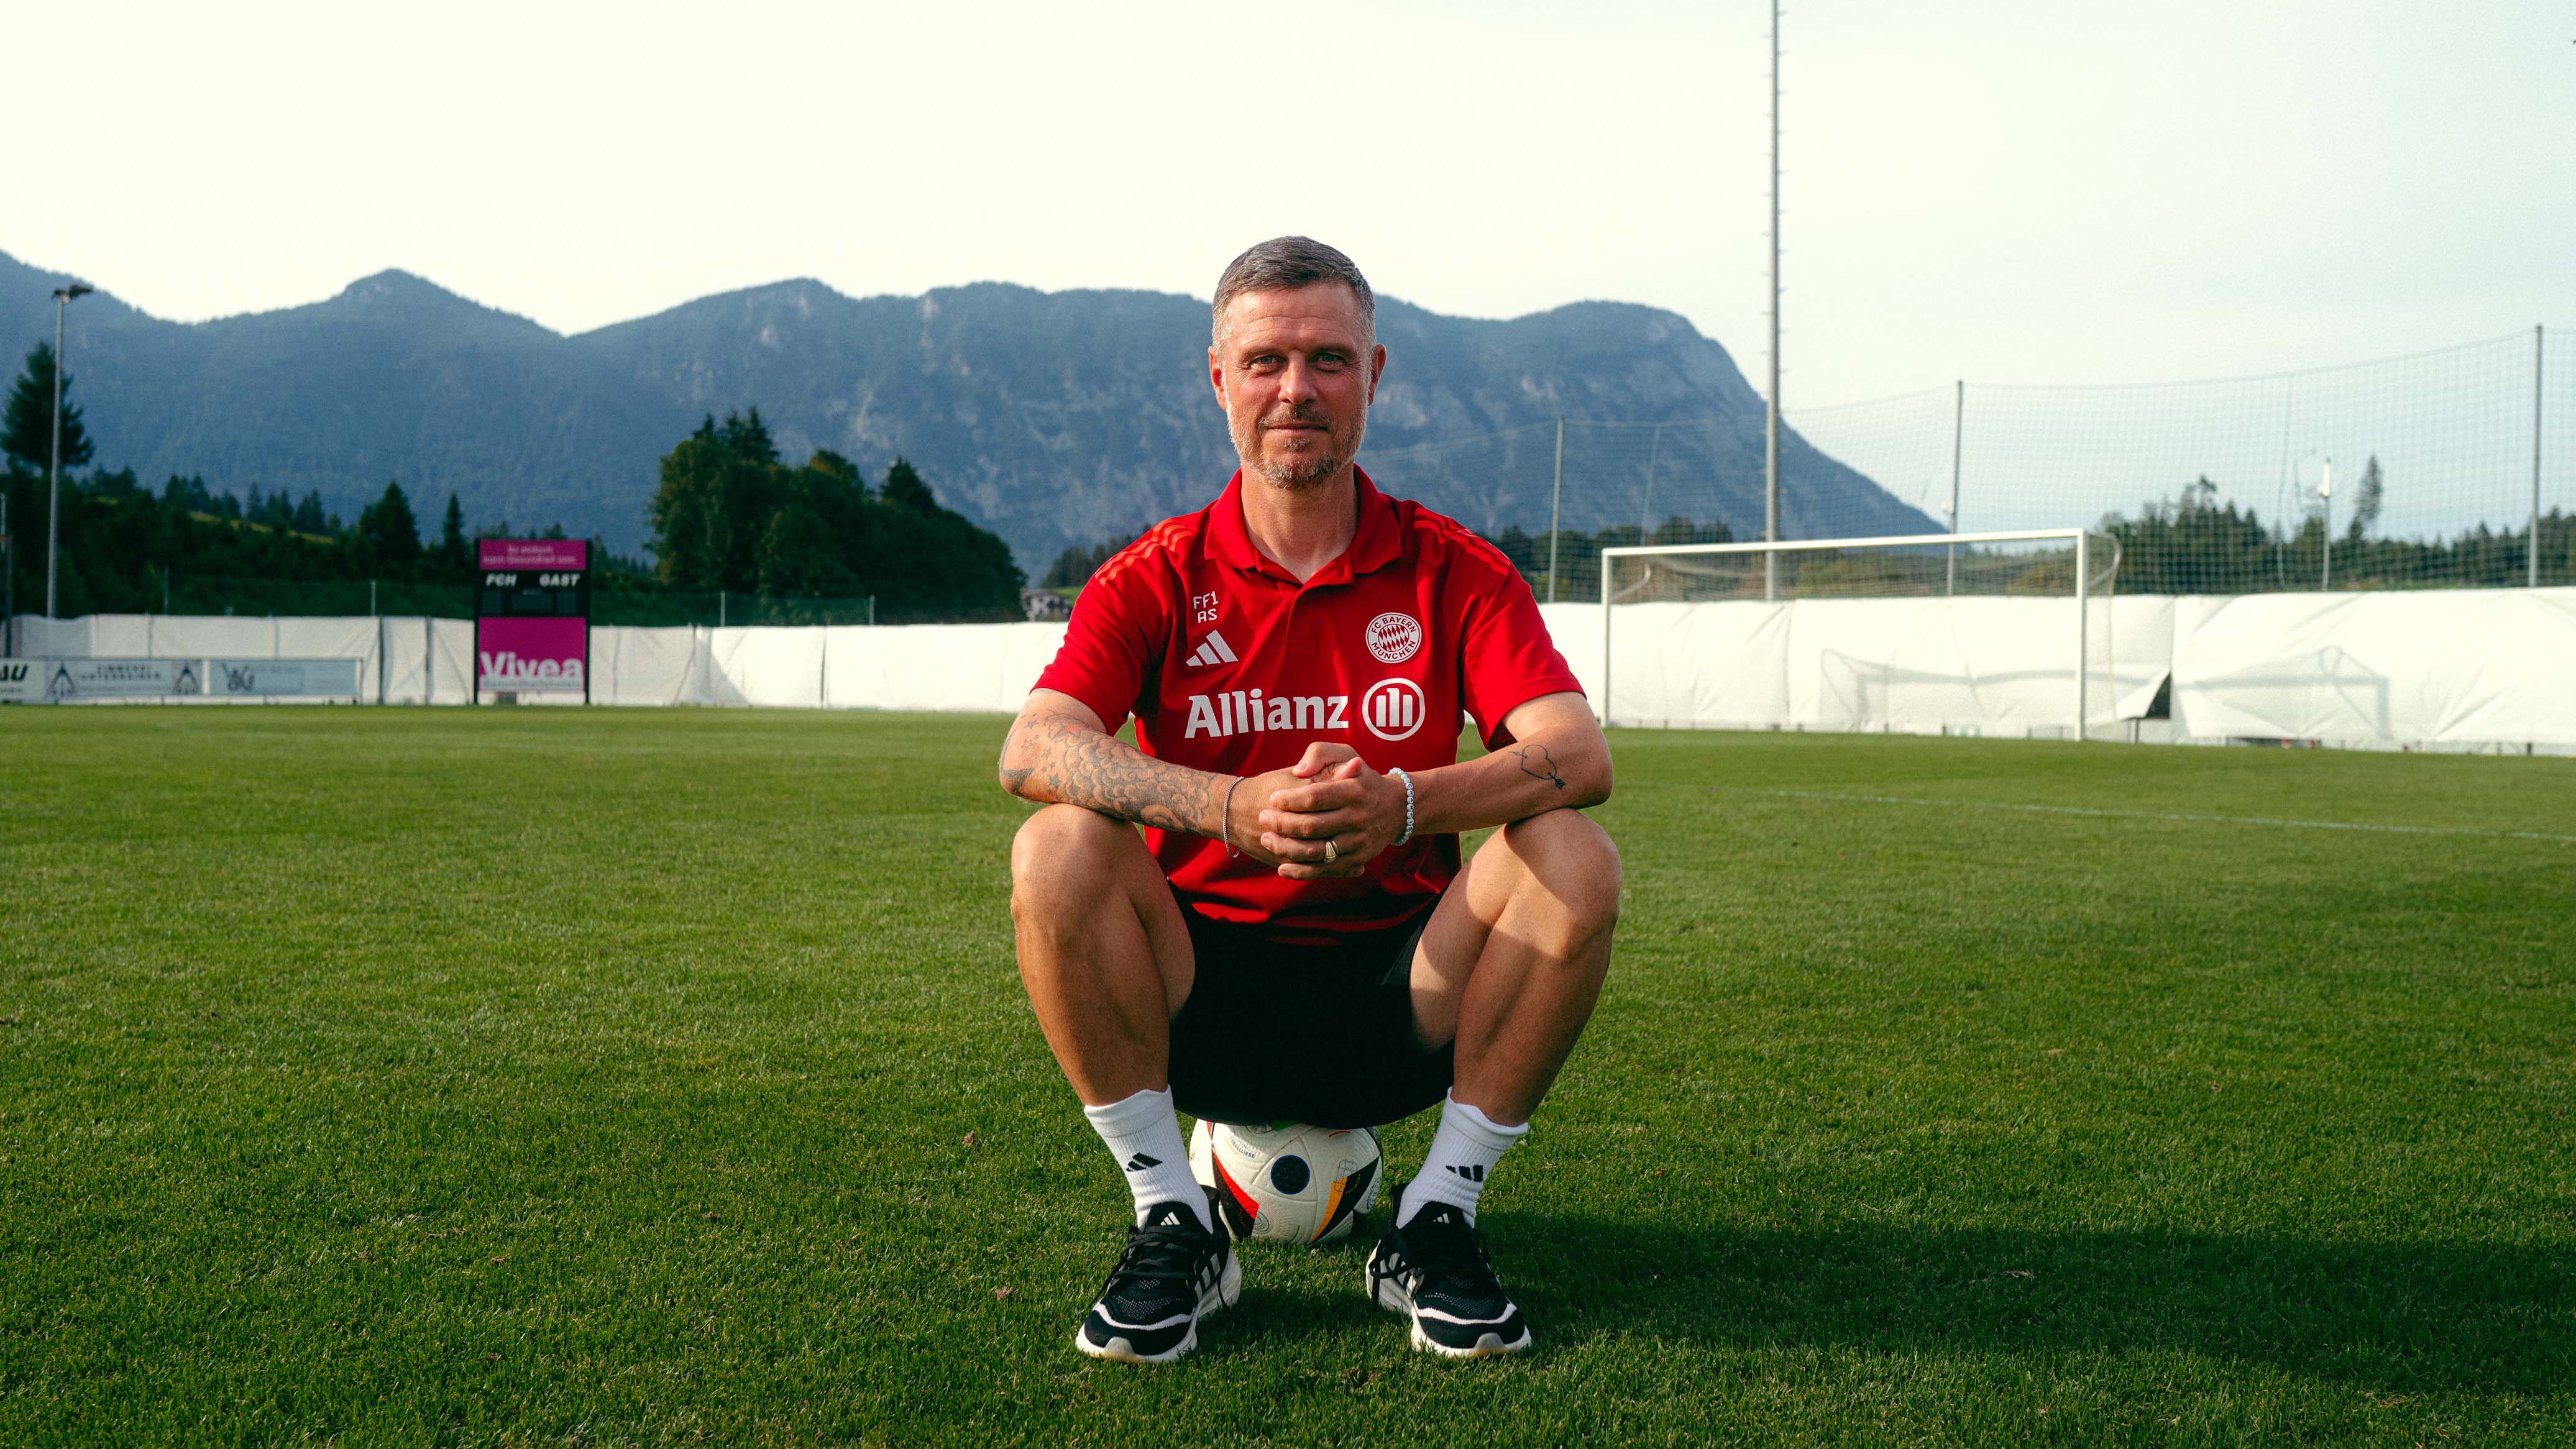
<point>2169,815</point>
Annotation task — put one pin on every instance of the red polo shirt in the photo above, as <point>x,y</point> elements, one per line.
<point>1230,665</point>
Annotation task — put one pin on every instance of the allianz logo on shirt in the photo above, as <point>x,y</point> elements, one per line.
<point>1391,709</point>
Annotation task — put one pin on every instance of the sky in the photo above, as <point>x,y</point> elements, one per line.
<point>2004,191</point>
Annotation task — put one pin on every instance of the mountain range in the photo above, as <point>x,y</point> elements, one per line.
<point>1049,417</point>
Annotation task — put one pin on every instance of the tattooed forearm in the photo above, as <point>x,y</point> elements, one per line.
<point>1537,763</point>
<point>1057,760</point>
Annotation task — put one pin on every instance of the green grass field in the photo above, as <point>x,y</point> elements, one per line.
<point>594,1077</point>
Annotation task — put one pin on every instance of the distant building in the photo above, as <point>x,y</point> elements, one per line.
<point>1045,604</point>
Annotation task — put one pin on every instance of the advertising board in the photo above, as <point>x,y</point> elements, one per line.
<point>33,680</point>
<point>531,656</point>
<point>52,681</point>
<point>532,553</point>
<point>279,678</point>
<point>532,617</point>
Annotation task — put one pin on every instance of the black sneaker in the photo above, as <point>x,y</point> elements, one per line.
<point>1433,1270</point>
<point>1173,1273</point>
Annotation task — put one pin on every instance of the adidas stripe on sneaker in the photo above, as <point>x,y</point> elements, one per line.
<point>1173,1272</point>
<point>1433,1270</point>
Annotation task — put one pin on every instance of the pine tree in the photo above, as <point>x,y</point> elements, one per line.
<point>2366,500</point>
<point>904,489</point>
<point>29,438</point>
<point>451,537</point>
<point>388,527</point>
<point>749,439</point>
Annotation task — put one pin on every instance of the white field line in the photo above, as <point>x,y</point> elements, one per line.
<point>2174,816</point>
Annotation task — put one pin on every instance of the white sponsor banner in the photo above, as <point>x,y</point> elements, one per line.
<point>508,670</point>
<point>271,678</point>
<point>34,681</point>
<point>30,680</point>
<point>125,678</point>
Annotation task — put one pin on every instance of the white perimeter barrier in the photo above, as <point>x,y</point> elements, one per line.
<point>401,660</point>
<point>1998,666</point>
<point>2448,667</point>
<point>966,668</point>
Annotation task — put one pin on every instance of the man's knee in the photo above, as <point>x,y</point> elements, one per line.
<point>1571,860</point>
<point>1066,860</point>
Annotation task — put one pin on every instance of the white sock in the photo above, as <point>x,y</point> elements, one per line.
<point>1463,1151</point>
<point>1145,1137</point>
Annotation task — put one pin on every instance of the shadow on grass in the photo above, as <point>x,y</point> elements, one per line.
<point>2412,1317</point>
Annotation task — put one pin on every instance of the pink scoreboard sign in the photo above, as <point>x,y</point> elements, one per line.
<point>532,617</point>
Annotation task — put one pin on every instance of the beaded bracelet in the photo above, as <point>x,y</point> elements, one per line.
<point>1398,772</point>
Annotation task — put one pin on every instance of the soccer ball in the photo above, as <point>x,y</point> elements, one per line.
<point>1287,1184</point>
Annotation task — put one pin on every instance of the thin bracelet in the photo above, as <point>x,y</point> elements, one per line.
<point>1225,820</point>
<point>1398,772</point>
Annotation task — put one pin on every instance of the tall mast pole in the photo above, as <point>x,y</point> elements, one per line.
<point>54,463</point>
<point>2537,338</point>
<point>64,296</point>
<point>1958,431</point>
<point>1555,507</point>
<point>1771,425</point>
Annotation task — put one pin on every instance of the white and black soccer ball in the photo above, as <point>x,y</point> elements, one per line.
<point>1292,1184</point>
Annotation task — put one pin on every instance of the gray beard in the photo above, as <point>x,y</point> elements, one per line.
<point>1302,477</point>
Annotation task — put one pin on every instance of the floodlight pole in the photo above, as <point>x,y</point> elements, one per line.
<point>1958,430</point>
<point>1555,508</point>
<point>1646,511</point>
<point>1605,638</point>
<point>54,465</point>
<point>2083,632</point>
<point>2325,490</point>
<point>1771,423</point>
<point>2533,580</point>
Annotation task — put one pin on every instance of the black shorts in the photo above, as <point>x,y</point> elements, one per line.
<point>1320,1034</point>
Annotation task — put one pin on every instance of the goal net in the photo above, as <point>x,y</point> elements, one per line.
<point>1969,633</point>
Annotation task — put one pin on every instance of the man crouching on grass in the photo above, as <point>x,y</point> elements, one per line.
<point>1292,936</point>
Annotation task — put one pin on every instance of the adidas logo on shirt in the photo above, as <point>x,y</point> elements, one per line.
<point>1212,650</point>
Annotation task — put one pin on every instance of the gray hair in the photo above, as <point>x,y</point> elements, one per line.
<point>1283,264</point>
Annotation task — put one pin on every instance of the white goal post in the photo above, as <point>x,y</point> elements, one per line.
<point>2095,559</point>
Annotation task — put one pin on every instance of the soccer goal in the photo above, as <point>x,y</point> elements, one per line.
<point>2005,632</point>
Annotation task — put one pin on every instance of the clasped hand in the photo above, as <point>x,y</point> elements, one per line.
<point>1329,795</point>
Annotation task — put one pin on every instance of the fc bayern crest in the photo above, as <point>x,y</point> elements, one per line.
<point>1394,638</point>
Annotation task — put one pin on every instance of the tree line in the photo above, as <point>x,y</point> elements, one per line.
<point>2191,544</point>
<point>729,516</point>
<point>2195,544</point>
<point>1578,554</point>
<point>122,545</point>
